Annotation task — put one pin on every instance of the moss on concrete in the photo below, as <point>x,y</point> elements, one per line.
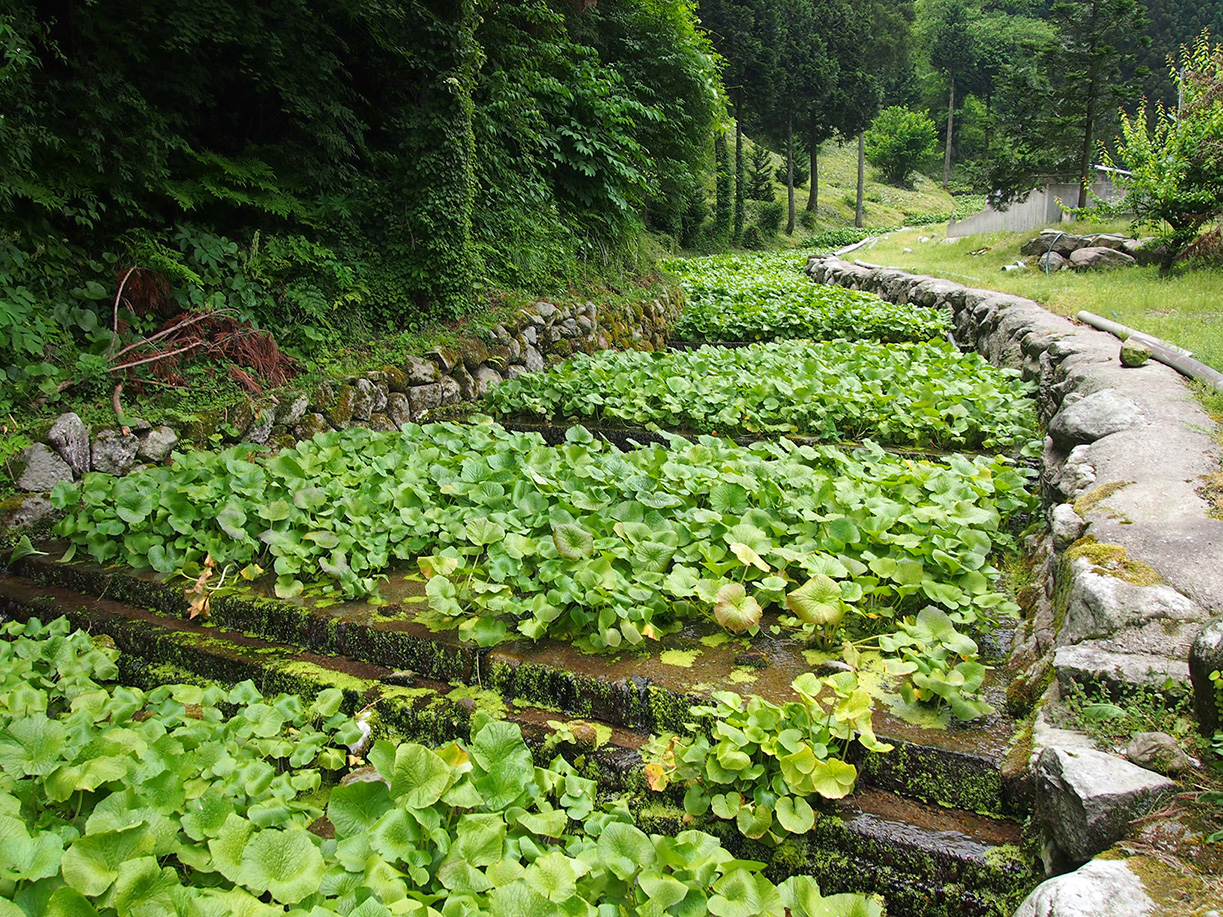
<point>1113,560</point>
<point>1089,501</point>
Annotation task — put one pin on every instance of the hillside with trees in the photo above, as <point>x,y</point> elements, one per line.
<point>329,173</point>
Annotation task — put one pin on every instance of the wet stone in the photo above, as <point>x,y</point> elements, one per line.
<point>70,438</point>
<point>1158,751</point>
<point>291,409</point>
<point>1086,799</point>
<point>41,469</point>
<point>158,443</point>
<point>114,452</point>
<point>420,372</point>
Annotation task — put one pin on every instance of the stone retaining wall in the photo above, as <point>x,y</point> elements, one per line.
<point>531,340</point>
<point>1131,567</point>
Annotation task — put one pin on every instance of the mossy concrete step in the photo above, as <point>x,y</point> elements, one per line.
<point>927,861</point>
<point>156,649</point>
<point>650,689</point>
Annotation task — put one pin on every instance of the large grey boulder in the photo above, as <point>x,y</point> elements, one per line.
<point>157,444</point>
<point>1067,526</point>
<point>364,399</point>
<point>532,359</point>
<point>70,438</point>
<point>485,378</point>
<point>1158,751</point>
<point>1086,799</point>
<point>291,409</point>
<point>1099,604</point>
<point>37,469</point>
<point>423,398</point>
<point>1108,240</point>
<point>32,511</point>
<point>114,452</point>
<point>420,372</point>
<point>1095,664</point>
<point>398,409</point>
<point>1205,657</point>
<point>1146,251</point>
<point>1051,261</point>
<point>1093,417</point>
<point>1102,888</point>
<point>1063,243</point>
<point>1097,257</point>
<point>261,427</point>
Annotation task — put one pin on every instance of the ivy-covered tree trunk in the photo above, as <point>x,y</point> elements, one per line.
<point>737,233</point>
<point>813,191</point>
<point>790,174</point>
<point>723,205</point>
<point>431,180</point>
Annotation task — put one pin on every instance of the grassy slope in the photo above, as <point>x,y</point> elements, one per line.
<point>885,206</point>
<point>1185,309</point>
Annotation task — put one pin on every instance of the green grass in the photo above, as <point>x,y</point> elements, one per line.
<point>1184,309</point>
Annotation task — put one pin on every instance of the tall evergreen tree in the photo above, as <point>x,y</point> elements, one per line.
<point>1058,100</point>
<point>953,53</point>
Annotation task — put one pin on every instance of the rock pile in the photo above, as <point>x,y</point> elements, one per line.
<point>1061,251</point>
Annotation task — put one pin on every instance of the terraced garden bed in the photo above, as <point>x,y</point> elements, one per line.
<point>766,297</point>
<point>602,597</point>
<point>915,395</point>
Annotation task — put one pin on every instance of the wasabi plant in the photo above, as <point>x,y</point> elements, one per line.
<point>757,763</point>
<point>211,801</point>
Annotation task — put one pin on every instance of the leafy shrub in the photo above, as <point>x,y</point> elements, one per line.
<point>768,217</point>
<point>751,238</point>
<point>898,141</point>
<point>801,173</point>
<point>926,219</point>
<point>757,763</point>
<point>839,238</point>
<point>807,219</point>
<point>760,176</point>
<point>288,284</point>
<point>202,800</point>
<point>51,329</point>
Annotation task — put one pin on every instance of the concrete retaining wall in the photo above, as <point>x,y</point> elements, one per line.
<point>1133,561</point>
<point>1042,207</point>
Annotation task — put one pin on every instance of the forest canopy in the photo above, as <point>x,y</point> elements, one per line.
<point>425,144</point>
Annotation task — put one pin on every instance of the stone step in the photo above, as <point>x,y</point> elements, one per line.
<point>926,861</point>
<point>958,766</point>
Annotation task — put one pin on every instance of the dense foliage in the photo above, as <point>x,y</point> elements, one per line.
<point>757,763</point>
<point>328,171</point>
<point>898,142</point>
<point>766,297</point>
<point>1173,160</point>
<point>206,801</point>
<point>923,395</point>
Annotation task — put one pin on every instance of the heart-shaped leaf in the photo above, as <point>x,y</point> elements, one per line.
<point>735,610</point>
<point>818,601</point>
